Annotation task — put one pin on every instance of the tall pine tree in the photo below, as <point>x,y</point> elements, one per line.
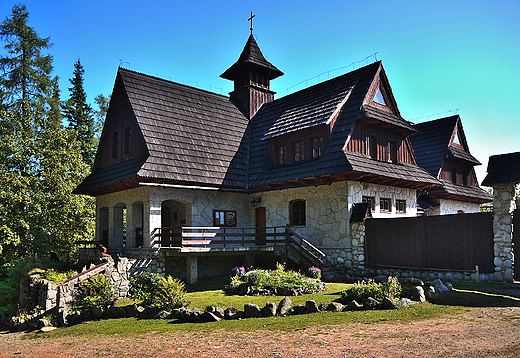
<point>80,116</point>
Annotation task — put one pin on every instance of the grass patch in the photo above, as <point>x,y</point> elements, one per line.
<point>212,294</point>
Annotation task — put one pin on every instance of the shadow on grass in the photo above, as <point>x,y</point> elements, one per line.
<point>481,295</point>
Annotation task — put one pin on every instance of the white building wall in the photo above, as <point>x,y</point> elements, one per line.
<point>453,207</point>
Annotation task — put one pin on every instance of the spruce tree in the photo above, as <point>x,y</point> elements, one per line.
<point>80,116</point>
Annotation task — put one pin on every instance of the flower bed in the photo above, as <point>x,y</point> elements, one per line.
<point>277,282</point>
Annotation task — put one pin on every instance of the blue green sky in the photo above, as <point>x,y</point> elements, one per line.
<point>439,56</point>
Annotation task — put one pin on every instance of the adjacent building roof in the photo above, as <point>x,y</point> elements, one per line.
<point>504,168</point>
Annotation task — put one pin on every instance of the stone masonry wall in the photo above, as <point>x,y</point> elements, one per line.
<point>504,204</point>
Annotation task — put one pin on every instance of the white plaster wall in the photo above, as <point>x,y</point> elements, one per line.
<point>358,190</point>
<point>453,206</point>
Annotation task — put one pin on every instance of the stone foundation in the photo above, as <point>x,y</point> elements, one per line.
<point>503,204</point>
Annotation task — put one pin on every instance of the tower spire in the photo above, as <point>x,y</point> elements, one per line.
<point>251,19</point>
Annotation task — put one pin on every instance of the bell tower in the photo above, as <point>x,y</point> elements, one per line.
<point>251,75</point>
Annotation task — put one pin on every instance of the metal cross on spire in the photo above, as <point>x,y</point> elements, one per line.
<point>251,19</point>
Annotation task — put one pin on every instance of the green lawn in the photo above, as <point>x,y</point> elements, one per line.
<point>212,294</point>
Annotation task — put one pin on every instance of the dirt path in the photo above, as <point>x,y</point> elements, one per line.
<point>479,332</point>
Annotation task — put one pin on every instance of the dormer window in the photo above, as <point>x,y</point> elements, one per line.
<point>379,98</point>
<point>317,147</point>
<point>281,154</point>
<point>299,151</point>
<point>371,146</point>
<point>392,151</point>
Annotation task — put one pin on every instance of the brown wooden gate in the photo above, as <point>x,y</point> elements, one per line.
<point>516,243</point>
<point>451,242</point>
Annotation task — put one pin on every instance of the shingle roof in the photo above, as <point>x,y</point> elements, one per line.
<point>504,168</point>
<point>466,191</point>
<point>251,56</point>
<point>388,118</point>
<point>430,145</point>
<point>462,155</point>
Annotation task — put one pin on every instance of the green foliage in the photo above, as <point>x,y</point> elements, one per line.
<point>314,272</point>
<point>170,294</point>
<point>99,292</point>
<point>153,289</point>
<point>363,290</point>
<point>12,274</point>
<point>272,280</point>
<point>55,276</point>
<point>143,286</point>
<point>40,161</point>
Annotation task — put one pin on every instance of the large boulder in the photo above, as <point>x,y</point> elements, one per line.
<point>404,302</point>
<point>216,310</point>
<point>334,307</point>
<point>311,306</point>
<point>431,294</point>
<point>371,304</point>
<point>298,309</point>
<point>284,306</point>
<point>233,313</point>
<point>418,294</point>
<point>353,306</point>
<point>251,310</point>
<point>209,317</point>
<point>439,286</point>
<point>388,304</point>
<point>269,310</point>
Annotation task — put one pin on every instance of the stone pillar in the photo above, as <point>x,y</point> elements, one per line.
<point>357,235</point>
<point>192,272</point>
<point>504,204</point>
<point>130,226</point>
<point>152,220</point>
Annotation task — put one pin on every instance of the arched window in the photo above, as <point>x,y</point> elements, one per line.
<point>297,212</point>
<point>128,140</point>
<point>115,145</point>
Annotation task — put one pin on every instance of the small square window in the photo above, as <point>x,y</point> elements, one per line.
<point>225,218</point>
<point>317,147</point>
<point>400,206</point>
<point>281,153</point>
<point>384,205</point>
<point>371,146</point>
<point>392,151</point>
<point>298,151</point>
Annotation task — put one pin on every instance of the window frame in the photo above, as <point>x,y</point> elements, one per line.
<point>297,212</point>
<point>281,154</point>
<point>298,150</point>
<point>224,218</point>
<point>371,146</point>
<point>398,203</point>
<point>392,151</point>
<point>382,208</point>
<point>316,148</point>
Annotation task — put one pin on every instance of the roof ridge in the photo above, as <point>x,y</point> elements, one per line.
<point>172,82</point>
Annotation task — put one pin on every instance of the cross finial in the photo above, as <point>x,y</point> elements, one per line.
<point>251,19</point>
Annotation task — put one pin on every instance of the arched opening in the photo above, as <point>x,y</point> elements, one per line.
<point>135,226</point>
<point>117,239</point>
<point>127,140</point>
<point>174,215</point>
<point>102,234</point>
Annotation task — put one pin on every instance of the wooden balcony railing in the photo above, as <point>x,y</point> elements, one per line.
<point>234,237</point>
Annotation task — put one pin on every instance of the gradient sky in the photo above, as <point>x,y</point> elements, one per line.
<point>439,56</point>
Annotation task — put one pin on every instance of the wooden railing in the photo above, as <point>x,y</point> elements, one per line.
<point>232,237</point>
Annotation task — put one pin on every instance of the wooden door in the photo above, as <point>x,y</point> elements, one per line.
<point>260,224</point>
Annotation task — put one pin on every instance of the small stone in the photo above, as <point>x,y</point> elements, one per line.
<point>371,304</point>
<point>418,294</point>
<point>269,310</point>
<point>298,309</point>
<point>251,310</point>
<point>233,313</point>
<point>431,294</point>
<point>334,307</point>
<point>311,306</point>
<point>43,329</point>
<point>388,304</point>
<point>404,302</point>
<point>164,315</point>
<point>353,306</point>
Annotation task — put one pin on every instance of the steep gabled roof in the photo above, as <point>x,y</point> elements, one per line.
<point>316,105</point>
<point>251,56</point>
<point>504,168</point>
<point>432,144</point>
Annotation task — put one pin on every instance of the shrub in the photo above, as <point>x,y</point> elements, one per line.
<point>314,272</point>
<point>153,289</point>
<point>239,271</point>
<point>54,276</point>
<point>363,290</point>
<point>143,286</point>
<point>170,294</point>
<point>275,279</point>
<point>99,292</point>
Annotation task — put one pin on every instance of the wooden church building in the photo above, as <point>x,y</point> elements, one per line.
<point>174,160</point>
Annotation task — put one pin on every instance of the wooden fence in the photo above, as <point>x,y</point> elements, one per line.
<point>445,242</point>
